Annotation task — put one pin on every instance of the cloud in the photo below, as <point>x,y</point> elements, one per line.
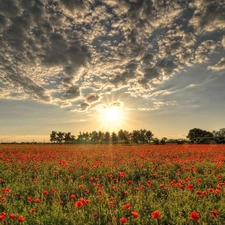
<point>208,16</point>
<point>223,41</point>
<point>219,66</point>
<point>53,50</point>
<point>92,98</point>
<point>71,93</point>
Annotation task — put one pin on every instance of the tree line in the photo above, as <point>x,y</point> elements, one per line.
<point>143,136</point>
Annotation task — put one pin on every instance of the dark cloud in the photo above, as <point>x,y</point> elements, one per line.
<point>37,91</point>
<point>83,106</point>
<point>72,93</point>
<point>92,98</point>
<point>54,49</point>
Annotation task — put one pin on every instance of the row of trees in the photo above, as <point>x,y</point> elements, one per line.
<point>142,136</point>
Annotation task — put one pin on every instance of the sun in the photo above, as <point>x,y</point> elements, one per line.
<point>112,114</point>
<point>110,117</point>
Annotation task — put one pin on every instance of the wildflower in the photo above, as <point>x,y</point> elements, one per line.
<point>21,219</point>
<point>100,192</point>
<point>129,182</point>
<point>214,213</point>
<point>2,217</point>
<point>190,187</point>
<point>156,215</point>
<point>29,199</point>
<point>45,192</point>
<point>127,206</point>
<point>79,204</point>
<point>134,214</point>
<point>194,216</point>
<point>12,216</point>
<point>72,196</point>
<point>123,220</point>
<point>32,210</point>
<point>37,200</point>
<point>111,204</point>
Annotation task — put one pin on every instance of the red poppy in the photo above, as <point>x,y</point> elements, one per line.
<point>100,192</point>
<point>156,215</point>
<point>29,199</point>
<point>72,196</point>
<point>21,219</point>
<point>123,220</point>
<point>45,192</point>
<point>135,214</point>
<point>194,216</point>
<point>37,200</point>
<point>2,217</point>
<point>12,216</point>
<point>79,204</point>
<point>127,206</point>
<point>214,214</point>
<point>32,210</point>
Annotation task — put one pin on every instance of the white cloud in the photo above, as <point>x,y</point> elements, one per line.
<point>219,66</point>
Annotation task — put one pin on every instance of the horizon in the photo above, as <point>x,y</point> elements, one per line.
<point>89,65</point>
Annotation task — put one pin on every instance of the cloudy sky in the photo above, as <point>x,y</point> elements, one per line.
<point>62,62</point>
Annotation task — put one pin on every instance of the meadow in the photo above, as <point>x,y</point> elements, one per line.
<point>112,184</point>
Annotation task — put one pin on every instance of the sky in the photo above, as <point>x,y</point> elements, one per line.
<point>64,63</point>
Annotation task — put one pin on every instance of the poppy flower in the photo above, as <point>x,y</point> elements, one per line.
<point>79,204</point>
<point>12,216</point>
<point>100,192</point>
<point>194,216</point>
<point>21,219</point>
<point>72,196</point>
<point>2,217</point>
<point>135,214</point>
<point>29,199</point>
<point>32,210</point>
<point>127,206</point>
<point>123,220</point>
<point>37,200</point>
<point>156,215</point>
<point>214,213</point>
<point>45,192</point>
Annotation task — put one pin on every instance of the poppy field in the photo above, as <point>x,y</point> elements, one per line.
<point>112,184</point>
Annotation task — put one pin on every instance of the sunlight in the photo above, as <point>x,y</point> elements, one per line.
<point>112,114</point>
<point>111,118</point>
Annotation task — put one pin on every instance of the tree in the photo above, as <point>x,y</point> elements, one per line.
<point>107,137</point>
<point>53,137</point>
<point>196,135</point>
<point>135,136</point>
<point>163,140</point>
<point>114,138</point>
<point>94,136</point>
<point>149,136</point>
<point>60,137</point>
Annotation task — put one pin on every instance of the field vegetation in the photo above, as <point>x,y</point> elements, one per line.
<point>112,184</point>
